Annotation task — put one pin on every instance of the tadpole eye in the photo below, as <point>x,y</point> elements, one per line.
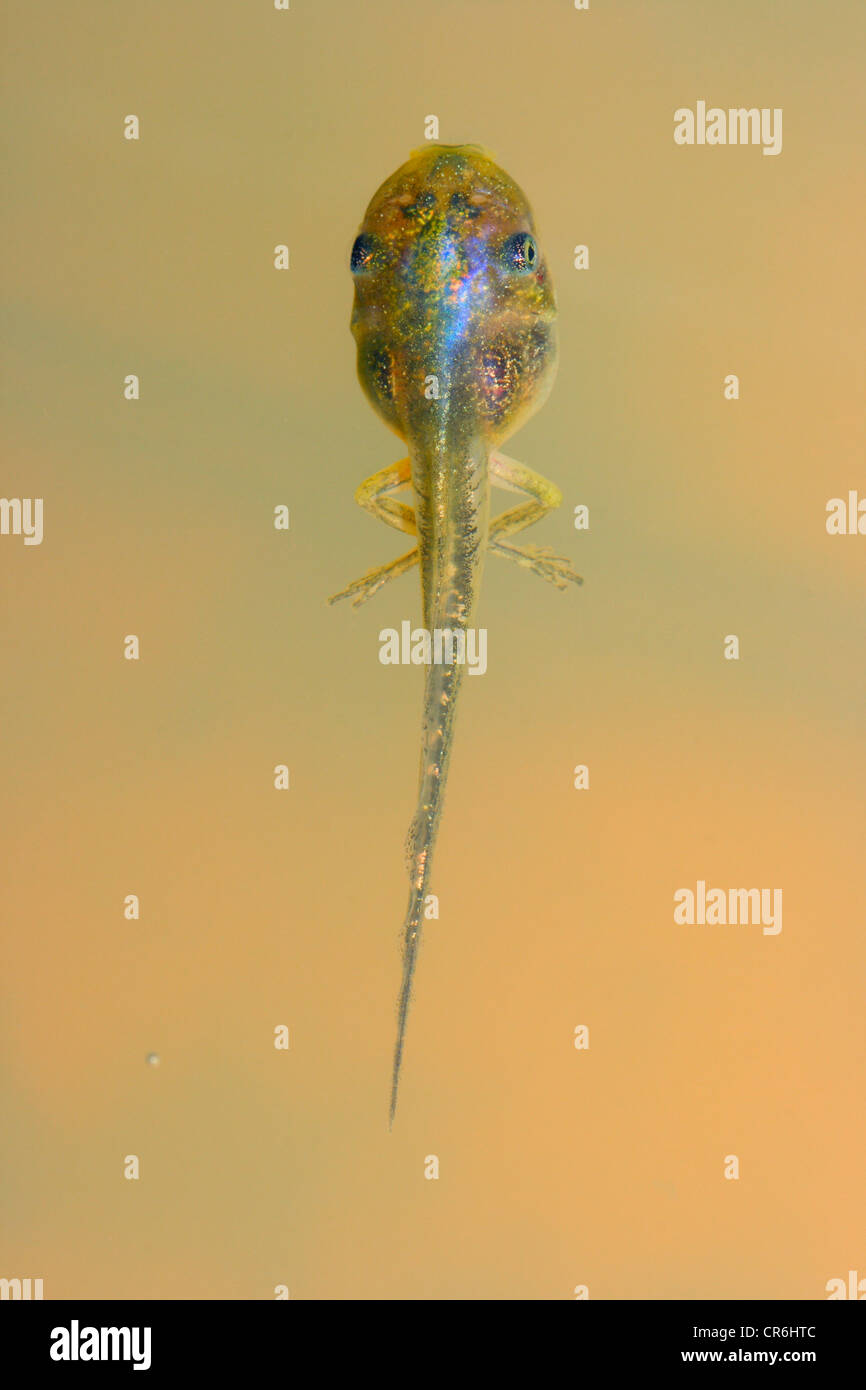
<point>520,253</point>
<point>365,255</point>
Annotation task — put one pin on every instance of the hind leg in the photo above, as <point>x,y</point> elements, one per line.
<point>373,496</point>
<point>544,497</point>
<point>365,587</point>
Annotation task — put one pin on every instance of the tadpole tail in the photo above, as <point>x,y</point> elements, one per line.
<point>411,942</point>
<point>440,696</point>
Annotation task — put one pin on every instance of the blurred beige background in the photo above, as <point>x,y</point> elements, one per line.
<point>558,1167</point>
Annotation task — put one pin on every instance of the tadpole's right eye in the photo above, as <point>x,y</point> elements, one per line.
<point>365,255</point>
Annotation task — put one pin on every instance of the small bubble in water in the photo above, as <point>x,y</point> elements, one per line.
<point>153,1059</point>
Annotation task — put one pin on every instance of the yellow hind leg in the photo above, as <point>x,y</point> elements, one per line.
<point>544,497</point>
<point>373,496</point>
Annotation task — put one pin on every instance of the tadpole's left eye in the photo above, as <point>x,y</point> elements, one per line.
<point>365,254</point>
<point>520,253</point>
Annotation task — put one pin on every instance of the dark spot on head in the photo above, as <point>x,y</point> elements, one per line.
<point>461,204</point>
<point>422,206</point>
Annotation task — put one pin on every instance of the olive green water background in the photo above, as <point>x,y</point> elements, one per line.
<point>557,1167</point>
